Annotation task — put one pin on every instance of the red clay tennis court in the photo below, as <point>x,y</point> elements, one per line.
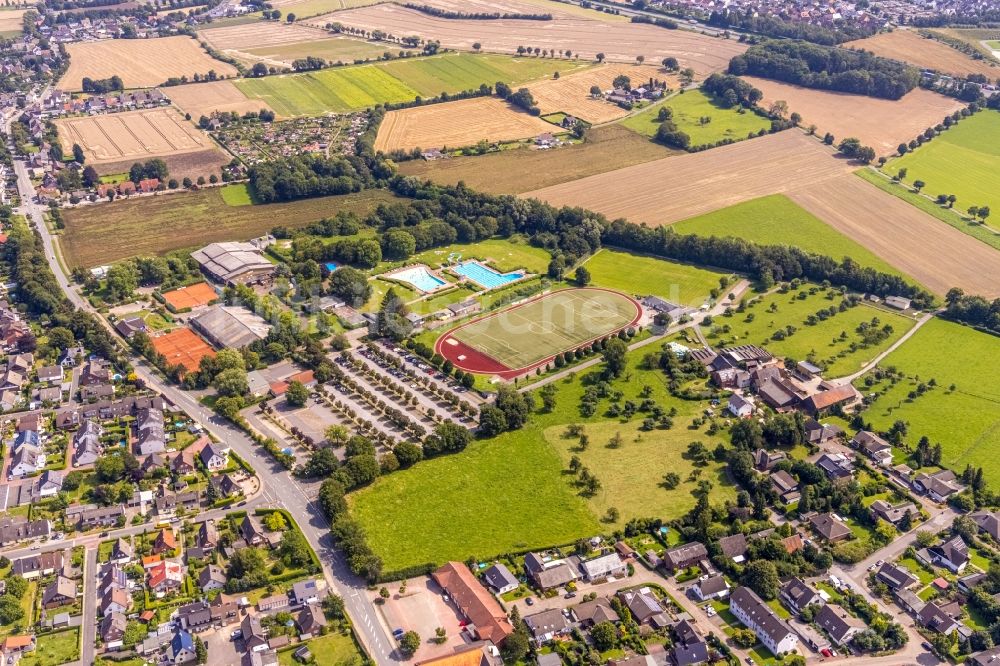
<point>183,347</point>
<point>511,342</point>
<point>191,296</point>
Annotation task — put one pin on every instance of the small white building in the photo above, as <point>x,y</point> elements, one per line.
<point>740,406</point>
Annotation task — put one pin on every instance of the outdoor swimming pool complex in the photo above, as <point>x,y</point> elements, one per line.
<point>485,276</point>
<point>420,277</point>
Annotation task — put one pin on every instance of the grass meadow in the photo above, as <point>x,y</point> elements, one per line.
<point>515,492</point>
<point>96,235</point>
<point>777,220</point>
<point>966,420</point>
<point>689,110</point>
<point>964,161</point>
<point>635,274</point>
<point>357,87</point>
<point>504,254</point>
<point>821,342</point>
<point>54,649</point>
<point>333,49</point>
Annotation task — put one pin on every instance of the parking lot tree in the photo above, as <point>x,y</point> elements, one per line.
<point>447,438</point>
<point>516,406</point>
<point>296,394</point>
<point>360,470</point>
<point>408,454</point>
<point>492,421</point>
<point>337,434</point>
<point>359,446</point>
<point>410,642</point>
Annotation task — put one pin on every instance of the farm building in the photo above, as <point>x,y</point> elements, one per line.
<point>231,327</point>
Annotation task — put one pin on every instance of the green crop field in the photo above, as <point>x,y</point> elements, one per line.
<point>834,343</point>
<point>966,420</point>
<point>357,87</point>
<point>521,336</point>
<point>96,235</point>
<point>777,220</point>
<point>689,109</point>
<point>521,482</point>
<point>683,284</point>
<point>237,195</point>
<point>964,161</point>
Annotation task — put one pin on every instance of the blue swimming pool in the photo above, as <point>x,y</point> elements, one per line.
<point>420,277</point>
<point>330,266</point>
<point>485,276</point>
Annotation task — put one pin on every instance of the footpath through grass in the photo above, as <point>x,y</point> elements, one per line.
<point>777,220</point>
<point>703,119</point>
<point>963,160</point>
<point>353,88</point>
<point>966,420</point>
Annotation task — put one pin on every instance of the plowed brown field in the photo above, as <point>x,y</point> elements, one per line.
<point>620,42</point>
<point>910,47</point>
<point>456,124</point>
<point>676,188</point>
<point>201,99</point>
<point>880,123</point>
<point>259,35</point>
<point>937,255</point>
<point>141,63</point>
<point>571,94</point>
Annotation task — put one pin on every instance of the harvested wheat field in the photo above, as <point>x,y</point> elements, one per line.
<point>937,255</point>
<point>456,124</point>
<point>259,35</point>
<point>676,188</point>
<point>910,47</point>
<point>131,135</point>
<point>201,99</point>
<point>880,123</point>
<point>141,63</point>
<point>11,20</point>
<point>571,94</point>
<point>620,42</point>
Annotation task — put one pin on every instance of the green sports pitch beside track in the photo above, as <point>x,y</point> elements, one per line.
<point>524,335</point>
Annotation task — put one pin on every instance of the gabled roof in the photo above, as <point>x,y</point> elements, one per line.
<point>895,576</point>
<point>474,601</point>
<point>836,622</point>
<point>760,613</point>
<point>733,546</point>
<point>954,550</point>
<point>499,576</point>
<point>547,622</point>
<point>829,527</point>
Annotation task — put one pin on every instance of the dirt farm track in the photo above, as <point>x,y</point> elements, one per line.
<point>620,42</point>
<point>141,63</point>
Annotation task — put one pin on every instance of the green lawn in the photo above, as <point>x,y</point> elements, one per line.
<point>357,87</point>
<point>690,110</point>
<point>54,649</point>
<point>820,342</point>
<point>334,649</point>
<point>994,44</point>
<point>379,290</point>
<point>777,220</point>
<point>519,483</point>
<point>640,275</point>
<point>923,575</point>
<point>964,161</point>
<point>965,421</point>
<point>631,474</point>
<point>237,194</point>
<point>504,254</point>
<point>954,217</point>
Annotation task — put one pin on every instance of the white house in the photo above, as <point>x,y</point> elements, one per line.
<point>758,616</point>
<point>739,406</point>
<point>713,587</point>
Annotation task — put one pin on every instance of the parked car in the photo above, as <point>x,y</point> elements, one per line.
<point>529,601</point>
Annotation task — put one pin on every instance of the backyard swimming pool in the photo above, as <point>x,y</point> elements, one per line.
<point>485,276</point>
<point>420,277</point>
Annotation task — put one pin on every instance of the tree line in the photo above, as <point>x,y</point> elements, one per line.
<point>477,16</point>
<point>772,26</point>
<point>102,86</point>
<point>304,176</point>
<point>827,68</point>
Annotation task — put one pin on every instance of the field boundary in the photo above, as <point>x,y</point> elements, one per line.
<point>479,362</point>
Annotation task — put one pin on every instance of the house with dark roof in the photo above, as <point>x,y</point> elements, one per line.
<point>873,447</point>
<point>689,647</point>
<point>778,394</point>
<point>225,487</point>
<point>150,434</point>
<point>829,527</point>
<point>989,657</point>
<point>893,514</point>
<point>254,635</point>
<point>195,616</point>
<point>122,551</point>
<point>214,456</point>
<point>796,595</point>
<point>786,486</point>
<point>734,547</point>
<point>749,609</point>
<point>547,625</point>
<point>713,587</point>
<point>310,620</point>
<point>548,574</point>
<point>764,460</point>
<point>820,433</point>
<point>953,554</point>
<point>941,616</point>
<point>682,557</point>
<point>40,564</point>
<point>594,612</point>
<point>836,466</point>
<point>18,528</point>
<point>474,601</point>
<point>252,530</point>
<point>212,577</point>
<point>838,624</point>
<point>112,630</point>
<point>87,443</point>
<point>939,486</point>
<point>500,579</point>
<point>208,536</point>
<point>895,576</point>
<point>645,608</point>
<point>59,592</point>
<point>182,650</point>
<point>988,522</point>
